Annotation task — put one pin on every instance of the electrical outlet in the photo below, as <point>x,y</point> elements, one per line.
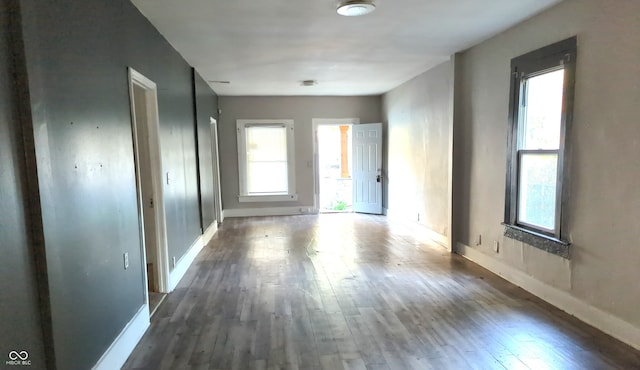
<point>125,256</point>
<point>496,246</point>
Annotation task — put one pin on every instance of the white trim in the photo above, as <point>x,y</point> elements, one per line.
<point>271,211</point>
<point>209,233</point>
<point>441,239</point>
<point>216,170</point>
<point>267,198</point>
<point>182,265</point>
<point>155,159</point>
<point>316,160</point>
<point>116,355</point>
<point>591,315</point>
<point>241,126</point>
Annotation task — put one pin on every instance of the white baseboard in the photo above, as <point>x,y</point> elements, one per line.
<point>209,233</point>
<point>437,237</point>
<point>269,211</point>
<point>121,348</point>
<point>443,240</point>
<point>125,343</point>
<point>593,316</point>
<point>183,264</point>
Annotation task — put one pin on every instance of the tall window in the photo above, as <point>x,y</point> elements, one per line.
<point>265,160</point>
<point>541,105</point>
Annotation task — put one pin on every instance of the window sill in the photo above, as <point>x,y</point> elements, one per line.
<point>540,241</point>
<point>268,198</point>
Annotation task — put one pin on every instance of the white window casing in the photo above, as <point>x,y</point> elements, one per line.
<point>266,161</point>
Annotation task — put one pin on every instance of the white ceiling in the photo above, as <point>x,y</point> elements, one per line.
<point>266,47</point>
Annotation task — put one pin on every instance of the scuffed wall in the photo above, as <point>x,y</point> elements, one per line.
<point>604,203</point>
<point>419,118</point>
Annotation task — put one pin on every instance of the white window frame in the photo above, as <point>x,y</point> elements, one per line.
<point>243,195</point>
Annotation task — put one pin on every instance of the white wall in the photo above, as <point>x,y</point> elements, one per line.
<point>302,110</point>
<point>600,281</point>
<point>419,117</point>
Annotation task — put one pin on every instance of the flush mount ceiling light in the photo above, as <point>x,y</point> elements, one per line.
<point>354,8</point>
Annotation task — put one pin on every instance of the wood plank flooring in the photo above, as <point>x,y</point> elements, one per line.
<point>349,291</point>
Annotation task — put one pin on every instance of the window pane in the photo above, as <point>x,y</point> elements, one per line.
<point>537,190</point>
<point>267,177</point>
<point>266,144</point>
<point>267,160</point>
<point>543,104</point>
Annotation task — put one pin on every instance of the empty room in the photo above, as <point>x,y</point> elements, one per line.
<point>320,184</point>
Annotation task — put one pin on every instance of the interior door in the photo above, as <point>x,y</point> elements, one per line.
<point>367,168</point>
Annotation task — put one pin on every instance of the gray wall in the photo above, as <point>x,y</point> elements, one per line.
<point>77,54</point>
<point>419,116</point>
<point>206,107</point>
<point>19,312</point>
<point>604,205</point>
<point>302,110</point>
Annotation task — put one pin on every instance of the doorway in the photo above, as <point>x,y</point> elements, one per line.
<point>348,166</point>
<point>215,155</point>
<point>335,191</point>
<point>148,165</point>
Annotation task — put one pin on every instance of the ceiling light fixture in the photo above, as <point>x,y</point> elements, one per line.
<point>355,8</point>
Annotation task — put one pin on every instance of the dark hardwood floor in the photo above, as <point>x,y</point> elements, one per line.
<point>357,292</point>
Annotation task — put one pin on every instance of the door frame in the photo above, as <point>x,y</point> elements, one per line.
<point>215,159</point>
<point>316,159</point>
<point>155,163</point>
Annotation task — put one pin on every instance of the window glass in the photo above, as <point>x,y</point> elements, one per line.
<point>537,190</point>
<point>266,160</point>
<point>542,101</point>
<point>540,118</point>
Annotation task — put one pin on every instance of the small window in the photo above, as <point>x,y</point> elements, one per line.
<point>265,160</point>
<point>541,102</point>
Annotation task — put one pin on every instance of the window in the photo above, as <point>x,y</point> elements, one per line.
<point>541,102</point>
<point>265,160</point>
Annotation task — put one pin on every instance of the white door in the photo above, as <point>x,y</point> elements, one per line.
<point>367,168</point>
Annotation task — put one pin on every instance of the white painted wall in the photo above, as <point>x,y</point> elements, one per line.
<point>604,205</point>
<point>419,116</point>
<point>302,110</point>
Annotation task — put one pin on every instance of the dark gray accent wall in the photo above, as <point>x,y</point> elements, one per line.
<point>77,54</point>
<point>206,107</point>
<point>19,309</point>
